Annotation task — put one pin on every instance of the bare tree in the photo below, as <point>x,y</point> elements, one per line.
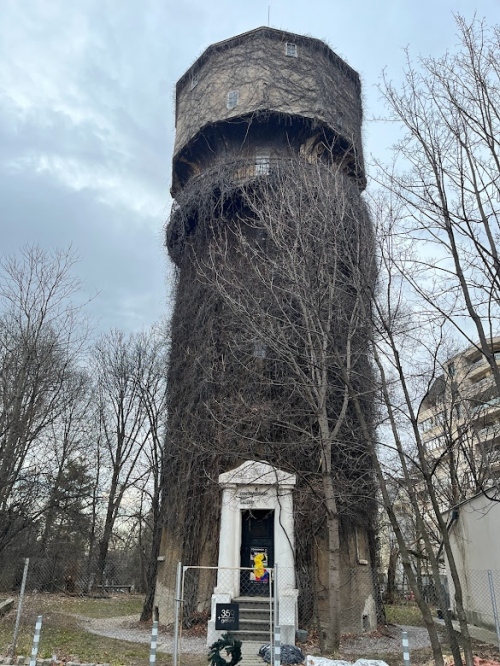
<point>64,446</point>
<point>445,201</point>
<point>409,349</point>
<point>130,381</point>
<point>448,187</point>
<point>151,377</point>
<point>41,336</point>
<point>122,423</point>
<point>285,263</point>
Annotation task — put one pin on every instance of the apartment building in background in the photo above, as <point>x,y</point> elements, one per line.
<point>459,419</point>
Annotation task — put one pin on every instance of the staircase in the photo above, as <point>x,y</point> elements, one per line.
<point>254,628</point>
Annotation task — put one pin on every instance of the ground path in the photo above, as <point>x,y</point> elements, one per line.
<point>127,628</point>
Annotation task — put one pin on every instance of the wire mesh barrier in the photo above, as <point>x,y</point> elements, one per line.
<point>89,623</point>
<point>76,575</point>
<point>265,599</point>
<point>86,616</point>
<point>401,593</point>
<point>481,598</point>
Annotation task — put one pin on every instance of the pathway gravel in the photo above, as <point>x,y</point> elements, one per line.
<point>125,628</point>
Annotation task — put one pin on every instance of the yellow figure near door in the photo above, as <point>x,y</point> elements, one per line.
<point>259,571</point>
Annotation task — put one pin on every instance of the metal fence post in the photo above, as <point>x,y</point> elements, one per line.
<point>276,608</point>
<point>406,648</point>
<point>154,641</point>
<point>494,604</point>
<point>36,640</point>
<point>178,601</point>
<point>277,645</point>
<point>277,629</point>
<point>20,607</point>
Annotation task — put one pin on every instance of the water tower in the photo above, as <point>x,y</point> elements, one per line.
<point>246,106</point>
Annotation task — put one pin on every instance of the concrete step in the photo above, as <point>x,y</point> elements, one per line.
<point>249,626</point>
<point>250,653</point>
<point>255,625</point>
<point>252,635</point>
<point>258,614</point>
<point>255,621</point>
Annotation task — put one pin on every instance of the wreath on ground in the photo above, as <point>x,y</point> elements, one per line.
<point>232,647</point>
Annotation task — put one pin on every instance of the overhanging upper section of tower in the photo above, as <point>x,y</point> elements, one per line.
<point>266,79</point>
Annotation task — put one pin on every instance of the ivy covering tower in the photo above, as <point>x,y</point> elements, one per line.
<point>274,254</point>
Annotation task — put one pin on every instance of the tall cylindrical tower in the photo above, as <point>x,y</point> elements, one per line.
<point>264,105</point>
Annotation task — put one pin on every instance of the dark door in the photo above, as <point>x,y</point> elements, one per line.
<point>257,551</point>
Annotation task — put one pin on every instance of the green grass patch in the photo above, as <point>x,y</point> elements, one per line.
<point>62,636</point>
<point>404,614</point>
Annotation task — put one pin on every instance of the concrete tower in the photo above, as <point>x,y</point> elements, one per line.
<point>246,106</point>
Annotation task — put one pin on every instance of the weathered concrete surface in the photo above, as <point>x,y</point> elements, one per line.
<point>5,606</point>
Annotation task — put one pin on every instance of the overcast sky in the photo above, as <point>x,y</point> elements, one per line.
<point>86,116</point>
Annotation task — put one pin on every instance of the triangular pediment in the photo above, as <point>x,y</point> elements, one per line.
<point>257,472</point>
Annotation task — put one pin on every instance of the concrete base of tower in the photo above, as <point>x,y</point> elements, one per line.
<point>357,593</point>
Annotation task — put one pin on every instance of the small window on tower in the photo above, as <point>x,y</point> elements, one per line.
<point>232,99</point>
<point>259,349</point>
<point>291,50</point>
<point>362,550</point>
<point>262,163</point>
<point>194,82</point>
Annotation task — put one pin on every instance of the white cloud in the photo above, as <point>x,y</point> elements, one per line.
<point>86,114</point>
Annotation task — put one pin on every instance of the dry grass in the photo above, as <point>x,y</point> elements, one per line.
<point>404,614</point>
<point>63,636</point>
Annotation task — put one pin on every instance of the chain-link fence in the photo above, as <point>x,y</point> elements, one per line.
<point>481,596</point>
<point>295,600</point>
<point>401,593</point>
<point>88,619</point>
<point>86,614</point>
<point>76,575</point>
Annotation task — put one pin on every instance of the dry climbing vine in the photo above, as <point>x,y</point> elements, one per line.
<point>274,271</point>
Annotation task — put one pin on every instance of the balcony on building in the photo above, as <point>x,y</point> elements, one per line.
<point>488,410</point>
<point>480,368</point>
<point>488,434</point>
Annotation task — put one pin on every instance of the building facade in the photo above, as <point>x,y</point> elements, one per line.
<point>263,109</point>
<point>459,420</point>
<point>475,543</point>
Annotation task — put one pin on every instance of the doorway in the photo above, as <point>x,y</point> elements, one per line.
<point>257,551</point>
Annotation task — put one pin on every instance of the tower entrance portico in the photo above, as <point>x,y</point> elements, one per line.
<point>256,532</point>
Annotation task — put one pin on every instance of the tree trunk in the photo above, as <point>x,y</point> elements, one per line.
<point>391,575</point>
<point>147,609</point>
<point>332,638</point>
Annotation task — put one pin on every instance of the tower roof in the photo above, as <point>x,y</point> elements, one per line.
<point>273,33</point>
